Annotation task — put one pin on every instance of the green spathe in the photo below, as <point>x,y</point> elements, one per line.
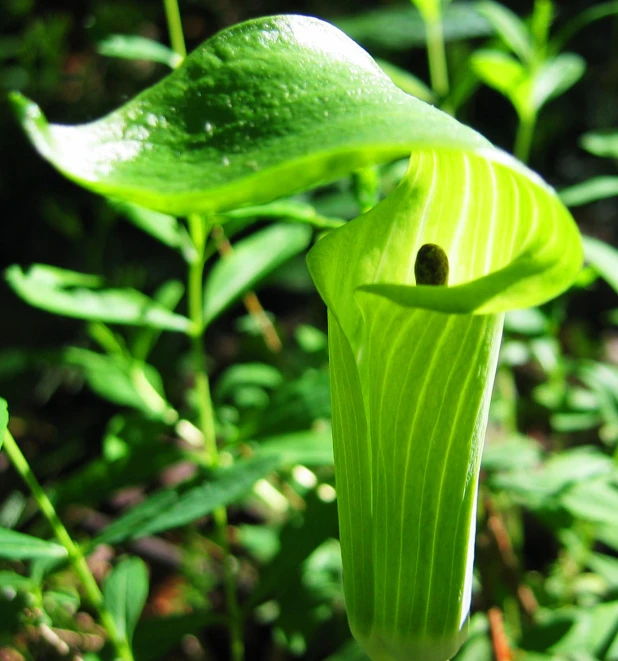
<point>412,369</point>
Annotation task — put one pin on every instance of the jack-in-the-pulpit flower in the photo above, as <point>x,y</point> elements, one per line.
<point>412,370</point>
<point>282,103</point>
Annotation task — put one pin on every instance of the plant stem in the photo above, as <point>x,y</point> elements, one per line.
<point>195,292</point>
<point>174,26</point>
<point>436,54</point>
<point>76,557</point>
<point>198,229</point>
<point>523,139</point>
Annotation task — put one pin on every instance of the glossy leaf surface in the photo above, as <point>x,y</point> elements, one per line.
<point>261,110</point>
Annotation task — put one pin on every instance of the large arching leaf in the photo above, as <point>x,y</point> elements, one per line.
<point>260,110</point>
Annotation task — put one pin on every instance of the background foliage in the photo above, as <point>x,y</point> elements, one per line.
<point>126,476</point>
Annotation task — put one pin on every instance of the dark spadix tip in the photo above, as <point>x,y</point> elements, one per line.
<point>431,265</point>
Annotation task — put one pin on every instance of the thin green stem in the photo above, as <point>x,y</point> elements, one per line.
<point>76,557</point>
<point>523,139</point>
<point>174,26</point>
<point>195,292</point>
<point>198,228</point>
<point>436,54</point>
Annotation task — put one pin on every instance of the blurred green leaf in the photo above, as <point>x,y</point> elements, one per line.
<point>252,260</point>
<point>161,226</point>
<point>539,488</point>
<point>132,47</point>
<point>10,579</point>
<point>125,591</point>
<point>69,293</point>
<point>603,258</point>
<point>295,406</point>
<point>606,566</point>
<point>407,82</point>
<point>478,647</point>
<point>169,294</point>
<point>290,210</point>
<point>243,374</point>
<point>530,321</point>
<point>592,500</point>
<point>186,503</point>
<point>514,453</point>
<point>401,27</point>
<point>597,188</point>
<point>601,143</point>
<point>308,448</point>
<point>124,381</point>
<point>555,77</point>
<point>574,633</point>
<point>511,29</point>
<point>502,72</point>
<point>17,546</point>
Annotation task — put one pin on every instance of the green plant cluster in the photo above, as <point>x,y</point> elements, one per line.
<point>202,468</point>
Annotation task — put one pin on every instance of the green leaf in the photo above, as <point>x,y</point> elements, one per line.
<point>603,258</point>
<point>401,27</point>
<point>574,632</point>
<point>132,47</point>
<point>504,73</point>
<point>555,77</point>
<point>597,188</point>
<point>73,295</point>
<point>261,110</point>
<point>592,500</point>
<point>291,211</point>
<point>183,504</point>
<point>606,566</point>
<point>161,226</point>
<point>601,143</point>
<point>407,82</point>
<point>252,260</point>
<point>124,592</point>
<point>509,26</point>
<point>309,448</point>
<point>124,381</point>
<point>10,579</point>
<point>17,546</point>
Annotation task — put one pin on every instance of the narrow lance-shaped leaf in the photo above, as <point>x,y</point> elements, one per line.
<point>125,591</point>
